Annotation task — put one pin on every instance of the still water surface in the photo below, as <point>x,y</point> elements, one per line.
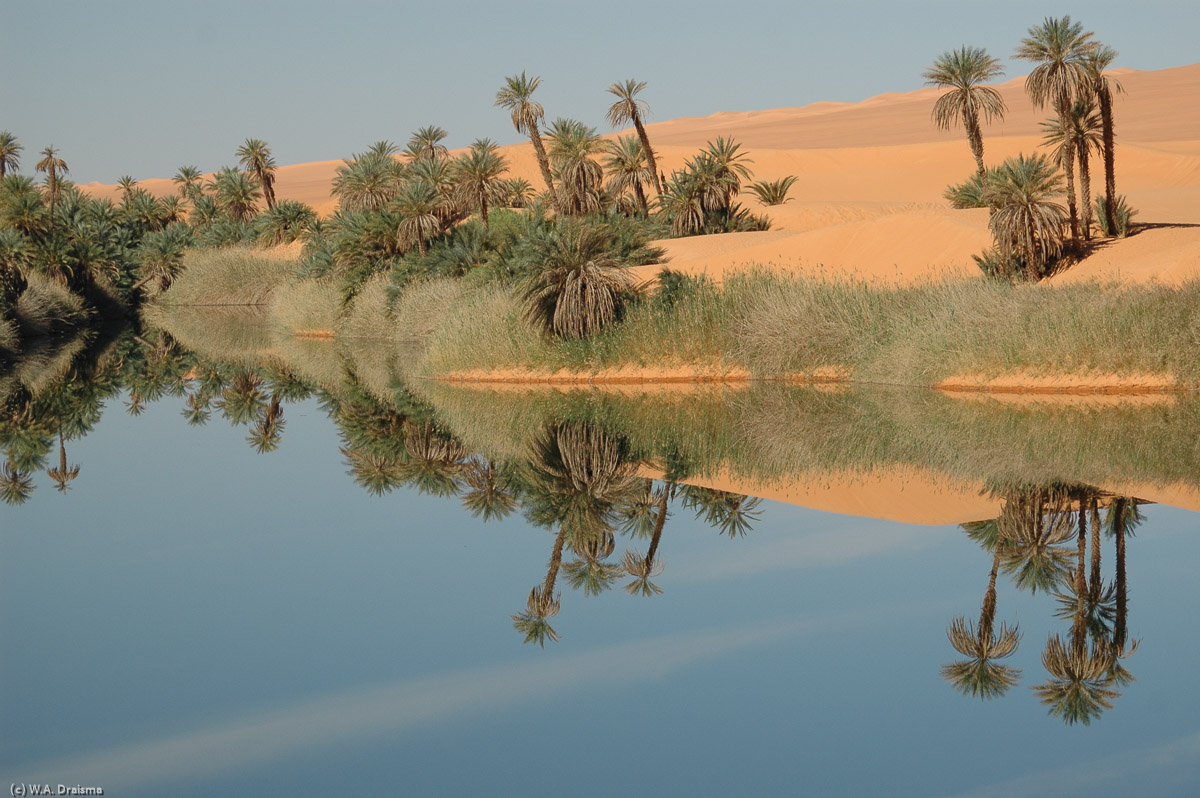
<point>195,617</point>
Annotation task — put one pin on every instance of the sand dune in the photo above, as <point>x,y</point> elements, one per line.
<point>871,175</point>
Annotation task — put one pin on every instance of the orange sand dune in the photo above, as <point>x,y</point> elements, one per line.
<point>871,175</point>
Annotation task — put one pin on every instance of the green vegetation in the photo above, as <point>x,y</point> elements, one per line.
<point>963,71</point>
<point>774,192</point>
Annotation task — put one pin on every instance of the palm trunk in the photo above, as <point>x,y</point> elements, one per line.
<point>1064,114</point>
<point>659,522</point>
<point>555,561</point>
<point>1110,179</point>
<point>483,210</point>
<point>653,164</point>
<point>641,195</point>
<point>1085,189</point>
<point>975,139</point>
<point>543,163</point>
<point>1094,587</point>
<point>268,184</point>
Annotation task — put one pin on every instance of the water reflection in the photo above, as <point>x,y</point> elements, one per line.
<point>595,470</point>
<point>1030,541</point>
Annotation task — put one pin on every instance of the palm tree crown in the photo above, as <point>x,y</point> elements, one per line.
<point>255,156</point>
<point>628,108</point>
<point>10,153</point>
<point>962,71</point>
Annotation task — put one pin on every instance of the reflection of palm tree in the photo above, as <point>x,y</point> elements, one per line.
<point>242,400</point>
<point>376,473</point>
<point>1122,518</point>
<point>542,603</point>
<point>1080,687</point>
<point>433,462</point>
<point>1033,524</point>
<point>197,411</point>
<point>268,428</point>
<point>731,513</point>
<point>488,495</point>
<point>15,485</point>
<point>64,474</point>
<point>980,675</point>
<point>592,573</point>
<point>645,567</point>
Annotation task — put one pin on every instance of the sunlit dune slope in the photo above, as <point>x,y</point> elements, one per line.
<point>871,175</point>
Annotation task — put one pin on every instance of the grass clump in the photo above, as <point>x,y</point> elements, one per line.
<point>228,276</point>
<point>307,306</point>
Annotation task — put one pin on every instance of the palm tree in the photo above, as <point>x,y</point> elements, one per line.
<point>255,156</point>
<point>581,284</point>
<point>519,192</point>
<point>417,206</point>
<point>1084,131</point>
<point>367,182</point>
<point>52,165</point>
<point>16,254</point>
<point>237,194</point>
<point>516,96</point>
<point>1061,50</point>
<point>126,184</point>
<point>979,674</point>
<point>1027,223</point>
<point>190,181</point>
<point>425,143</point>
<point>628,108</point>
<point>725,168</point>
<point>64,474</point>
<point>477,177</point>
<point>1102,87</point>
<point>627,169</point>
<point>10,153</point>
<point>572,147</point>
<point>963,70</point>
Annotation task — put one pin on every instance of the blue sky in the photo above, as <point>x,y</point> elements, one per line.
<point>143,87</point>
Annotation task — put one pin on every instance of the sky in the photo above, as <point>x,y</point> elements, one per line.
<point>141,88</point>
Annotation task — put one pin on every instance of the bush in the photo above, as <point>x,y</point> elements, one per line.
<point>971,194</point>
<point>773,192</point>
<point>1122,212</point>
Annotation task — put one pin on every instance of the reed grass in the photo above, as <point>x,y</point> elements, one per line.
<point>228,276</point>
<point>306,306</point>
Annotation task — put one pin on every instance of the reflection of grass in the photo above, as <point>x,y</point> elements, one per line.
<point>771,433</point>
<point>238,335</point>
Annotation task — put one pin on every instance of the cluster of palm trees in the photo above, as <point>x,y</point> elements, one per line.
<point>1029,226</point>
<point>1029,541</point>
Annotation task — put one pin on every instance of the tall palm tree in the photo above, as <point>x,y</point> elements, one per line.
<point>10,153</point>
<point>126,184</point>
<point>255,156</point>
<point>979,674</point>
<point>52,165</point>
<point>1103,86</point>
<point>1027,222</point>
<point>477,177</point>
<point>367,182</point>
<point>963,70</point>
<point>627,109</point>
<point>237,194</point>
<point>1061,49</point>
<point>1082,133</point>
<point>573,146</point>
<point>516,96</point>
<point>627,169</point>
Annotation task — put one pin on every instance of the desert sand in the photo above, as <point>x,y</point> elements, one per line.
<point>871,174</point>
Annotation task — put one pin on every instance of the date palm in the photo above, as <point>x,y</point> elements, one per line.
<point>126,184</point>
<point>367,182</point>
<point>573,146</point>
<point>10,153</point>
<point>517,97</point>
<point>628,108</point>
<point>189,181</point>
<point>478,181</point>
<point>1061,49</point>
<point>964,71</point>
<point>627,169</point>
<point>255,157</point>
<point>417,206</point>
<point>53,166</point>
<point>1082,133</point>
<point>236,194</point>
<point>979,674</point>
<point>1103,87</point>
<point>426,144</point>
<point>16,255</point>
<point>1027,222</point>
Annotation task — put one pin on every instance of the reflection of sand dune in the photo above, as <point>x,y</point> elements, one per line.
<point>871,174</point>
